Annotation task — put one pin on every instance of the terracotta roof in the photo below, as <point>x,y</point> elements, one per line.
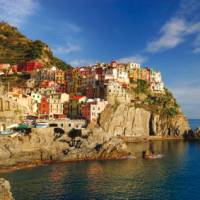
<point>76,97</point>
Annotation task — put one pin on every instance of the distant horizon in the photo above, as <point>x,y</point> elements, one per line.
<point>162,34</point>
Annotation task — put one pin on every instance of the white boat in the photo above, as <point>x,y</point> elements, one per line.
<point>155,156</point>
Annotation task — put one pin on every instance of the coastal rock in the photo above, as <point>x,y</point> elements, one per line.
<point>5,190</point>
<point>128,121</point>
<point>193,135</point>
<point>42,146</point>
<point>164,126</point>
<point>125,120</point>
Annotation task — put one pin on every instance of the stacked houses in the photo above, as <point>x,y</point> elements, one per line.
<point>82,92</point>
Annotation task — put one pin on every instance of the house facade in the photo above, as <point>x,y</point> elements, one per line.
<point>96,108</point>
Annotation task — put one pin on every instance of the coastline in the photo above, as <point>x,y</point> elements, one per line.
<point>128,140</point>
<point>50,162</point>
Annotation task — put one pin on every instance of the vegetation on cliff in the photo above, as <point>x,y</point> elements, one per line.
<point>163,104</point>
<point>15,48</point>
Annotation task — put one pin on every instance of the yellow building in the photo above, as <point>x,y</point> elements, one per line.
<point>134,74</point>
<point>60,77</point>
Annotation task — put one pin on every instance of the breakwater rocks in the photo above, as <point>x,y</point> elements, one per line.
<point>5,193</point>
<point>193,134</point>
<point>126,120</point>
<point>46,145</point>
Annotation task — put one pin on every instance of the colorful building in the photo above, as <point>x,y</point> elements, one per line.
<point>133,66</point>
<point>60,76</point>
<point>96,108</point>
<point>36,96</point>
<point>122,73</point>
<point>111,73</point>
<point>44,106</point>
<point>145,74</point>
<point>85,110</point>
<point>29,66</point>
<point>56,104</point>
<point>75,104</point>
<point>45,75</point>
<point>157,87</point>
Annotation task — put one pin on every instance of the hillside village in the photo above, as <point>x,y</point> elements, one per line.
<point>80,92</point>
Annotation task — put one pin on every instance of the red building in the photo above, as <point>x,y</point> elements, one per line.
<point>99,71</point>
<point>113,64</point>
<point>44,106</point>
<point>14,68</point>
<point>61,88</point>
<point>90,92</point>
<point>29,66</point>
<point>47,84</point>
<point>85,111</point>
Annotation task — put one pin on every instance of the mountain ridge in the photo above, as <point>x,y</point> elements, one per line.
<point>16,48</point>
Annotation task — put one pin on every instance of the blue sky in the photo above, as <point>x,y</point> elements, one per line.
<point>157,33</point>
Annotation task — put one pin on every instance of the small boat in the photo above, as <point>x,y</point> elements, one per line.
<point>155,156</point>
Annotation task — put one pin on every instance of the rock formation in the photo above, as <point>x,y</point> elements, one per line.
<point>5,193</point>
<point>193,134</point>
<point>126,120</point>
<point>44,145</point>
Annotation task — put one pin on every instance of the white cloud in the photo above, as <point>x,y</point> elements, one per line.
<point>172,34</point>
<point>134,58</point>
<point>176,30</point>
<point>69,48</point>
<point>16,12</point>
<point>81,62</point>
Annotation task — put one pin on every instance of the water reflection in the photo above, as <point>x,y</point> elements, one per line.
<point>57,177</point>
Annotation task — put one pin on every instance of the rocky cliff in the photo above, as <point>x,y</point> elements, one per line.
<point>127,120</point>
<point>5,193</point>
<point>44,145</point>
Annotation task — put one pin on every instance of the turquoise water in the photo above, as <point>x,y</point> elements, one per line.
<point>176,176</point>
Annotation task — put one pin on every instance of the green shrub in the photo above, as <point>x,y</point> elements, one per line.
<point>170,112</point>
<point>142,87</point>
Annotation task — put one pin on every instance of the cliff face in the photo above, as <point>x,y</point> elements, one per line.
<point>45,145</point>
<point>5,193</point>
<point>165,126</point>
<point>126,120</point>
